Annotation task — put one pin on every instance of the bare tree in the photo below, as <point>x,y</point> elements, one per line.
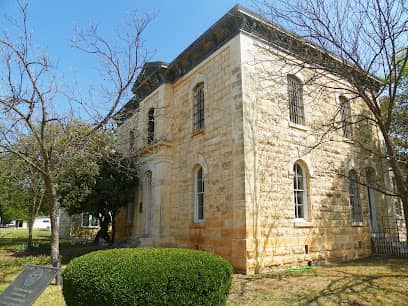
<point>363,42</point>
<point>32,114</point>
<point>120,62</point>
<point>37,192</point>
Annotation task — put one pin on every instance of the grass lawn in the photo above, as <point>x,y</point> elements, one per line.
<point>373,281</point>
<point>14,257</point>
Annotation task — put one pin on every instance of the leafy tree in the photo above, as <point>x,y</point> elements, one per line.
<point>13,197</point>
<point>101,187</point>
<point>21,192</point>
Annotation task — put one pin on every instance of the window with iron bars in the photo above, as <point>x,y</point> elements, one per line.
<point>345,112</point>
<point>198,118</point>
<point>150,126</point>
<point>295,97</point>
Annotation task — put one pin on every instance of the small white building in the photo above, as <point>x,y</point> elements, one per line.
<point>42,222</point>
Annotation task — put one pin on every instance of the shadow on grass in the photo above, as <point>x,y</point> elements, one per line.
<point>67,251</point>
<point>370,281</point>
<point>17,248</point>
<point>357,290</point>
<point>365,281</point>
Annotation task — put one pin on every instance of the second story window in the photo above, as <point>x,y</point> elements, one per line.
<point>198,109</point>
<point>295,98</point>
<point>345,112</point>
<point>150,126</point>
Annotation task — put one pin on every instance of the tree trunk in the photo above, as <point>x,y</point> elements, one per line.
<point>52,202</point>
<point>34,210</point>
<point>405,207</point>
<point>113,227</point>
<point>104,221</point>
<point>399,179</point>
<point>30,231</point>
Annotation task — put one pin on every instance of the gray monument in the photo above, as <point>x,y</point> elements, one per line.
<point>28,286</point>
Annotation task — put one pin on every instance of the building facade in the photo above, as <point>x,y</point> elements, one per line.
<point>236,155</point>
<point>78,228</point>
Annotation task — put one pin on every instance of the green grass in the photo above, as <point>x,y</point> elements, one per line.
<point>12,239</point>
<point>373,281</point>
<point>14,256</point>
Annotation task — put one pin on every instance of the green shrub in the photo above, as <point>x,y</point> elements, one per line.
<point>147,277</point>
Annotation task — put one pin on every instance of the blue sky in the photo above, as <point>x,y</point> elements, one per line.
<point>176,25</point>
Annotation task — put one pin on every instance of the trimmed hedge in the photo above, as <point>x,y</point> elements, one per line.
<point>147,277</point>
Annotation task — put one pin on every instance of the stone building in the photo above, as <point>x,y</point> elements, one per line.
<point>236,156</point>
<point>78,228</point>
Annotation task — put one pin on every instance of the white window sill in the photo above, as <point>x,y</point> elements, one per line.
<point>197,224</point>
<point>348,140</point>
<point>197,132</point>
<point>300,127</point>
<point>303,223</point>
<point>357,224</point>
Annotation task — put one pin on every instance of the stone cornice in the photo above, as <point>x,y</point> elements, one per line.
<point>153,148</point>
<point>237,20</point>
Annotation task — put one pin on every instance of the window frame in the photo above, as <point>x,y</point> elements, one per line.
<point>131,141</point>
<point>345,112</point>
<point>396,200</point>
<point>150,126</point>
<point>90,218</point>
<point>199,195</point>
<point>198,107</point>
<point>302,191</point>
<point>354,197</point>
<point>295,100</point>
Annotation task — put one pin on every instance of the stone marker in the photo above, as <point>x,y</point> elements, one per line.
<point>28,286</point>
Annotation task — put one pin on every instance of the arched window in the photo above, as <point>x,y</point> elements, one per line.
<point>131,141</point>
<point>198,115</point>
<point>199,196</point>
<point>345,112</point>
<point>295,98</point>
<point>300,191</point>
<point>354,197</point>
<point>150,126</point>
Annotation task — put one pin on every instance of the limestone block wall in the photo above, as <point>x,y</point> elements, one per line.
<point>219,150</point>
<point>64,224</point>
<point>138,124</point>
<point>172,160</point>
<point>123,224</point>
<point>247,151</point>
<point>70,228</point>
<point>273,144</point>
